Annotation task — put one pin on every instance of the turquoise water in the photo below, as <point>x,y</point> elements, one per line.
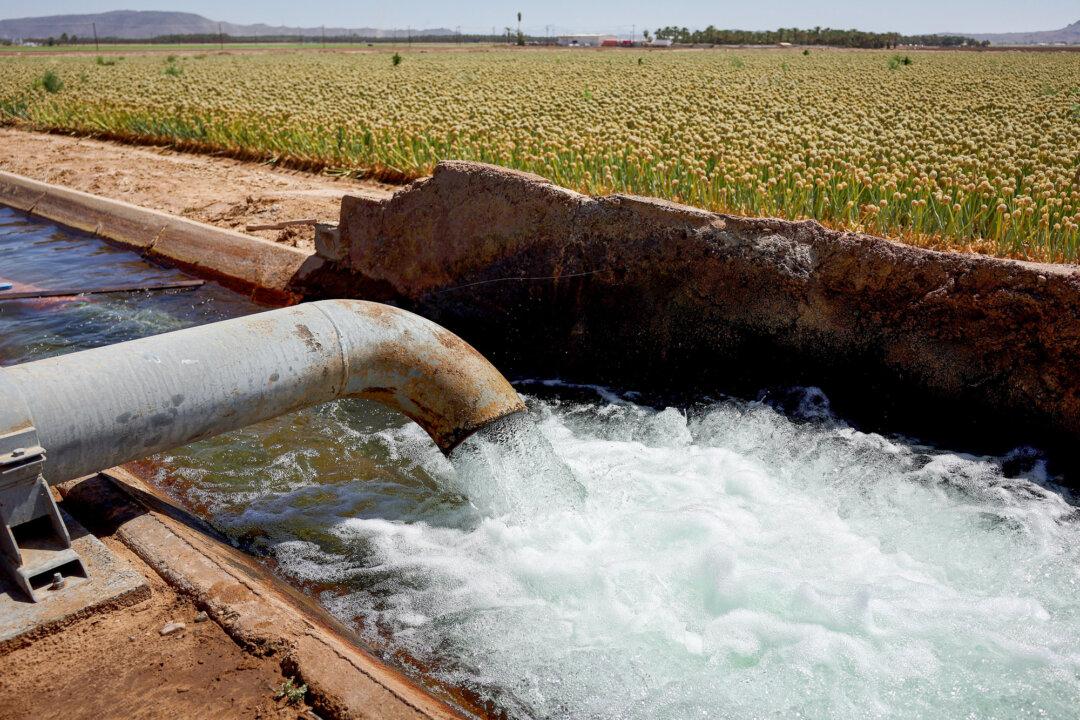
<point>725,560</point>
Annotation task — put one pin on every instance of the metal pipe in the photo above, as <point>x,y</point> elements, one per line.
<point>99,408</point>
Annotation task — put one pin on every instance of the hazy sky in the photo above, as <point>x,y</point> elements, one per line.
<point>908,16</point>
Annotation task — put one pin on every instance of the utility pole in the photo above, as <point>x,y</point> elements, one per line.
<point>633,33</point>
<point>96,48</point>
<point>220,38</point>
<point>458,31</point>
<point>323,37</point>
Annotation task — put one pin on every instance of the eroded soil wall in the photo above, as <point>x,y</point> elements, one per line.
<point>652,295</point>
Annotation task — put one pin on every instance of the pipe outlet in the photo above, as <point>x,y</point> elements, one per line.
<point>99,408</point>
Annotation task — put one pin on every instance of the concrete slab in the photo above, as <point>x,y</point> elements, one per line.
<point>112,583</point>
<point>245,262</point>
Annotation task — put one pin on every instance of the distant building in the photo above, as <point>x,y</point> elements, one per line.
<point>584,40</point>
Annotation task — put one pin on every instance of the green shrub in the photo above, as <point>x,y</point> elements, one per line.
<point>50,82</point>
<point>291,692</point>
<point>898,60</point>
<point>17,108</point>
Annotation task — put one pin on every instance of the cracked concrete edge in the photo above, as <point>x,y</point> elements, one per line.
<point>268,270</point>
<point>259,611</point>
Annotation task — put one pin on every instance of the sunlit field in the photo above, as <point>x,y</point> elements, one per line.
<point>958,150</point>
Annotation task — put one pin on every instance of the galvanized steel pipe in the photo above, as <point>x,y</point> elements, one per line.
<point>99,408</point>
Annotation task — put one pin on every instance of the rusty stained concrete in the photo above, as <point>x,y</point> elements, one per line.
<point>651,295</point>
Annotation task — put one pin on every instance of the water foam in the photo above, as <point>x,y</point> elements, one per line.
<point>733,562</point>
<point>509,468</point>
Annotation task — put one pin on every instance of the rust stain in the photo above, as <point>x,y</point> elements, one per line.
<point>19,426</point>
<point>305,334</point>
<point>229,592</point>
<point>379,392</point>
<point>385,315</point>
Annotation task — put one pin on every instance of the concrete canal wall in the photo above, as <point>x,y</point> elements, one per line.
<point>649,294</point>
<point>652,295</point>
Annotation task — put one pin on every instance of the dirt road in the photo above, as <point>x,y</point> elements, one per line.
<point>215,190</point>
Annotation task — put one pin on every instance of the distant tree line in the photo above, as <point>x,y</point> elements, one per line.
<point>813,36</point>
<point>205,38</point>
<point>708,36</point>
<point>64,39</point>
<point>214,37</point>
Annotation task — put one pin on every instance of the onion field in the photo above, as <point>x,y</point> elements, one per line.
<point>954,150</point>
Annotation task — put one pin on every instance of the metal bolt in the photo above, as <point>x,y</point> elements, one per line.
<point>57,581</point>
<point>17,452</point>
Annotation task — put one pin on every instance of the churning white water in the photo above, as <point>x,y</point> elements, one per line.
<point>736,563</point>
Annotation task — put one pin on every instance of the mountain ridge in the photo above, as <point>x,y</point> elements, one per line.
<point>147,24</point>
<point>1068,35</point>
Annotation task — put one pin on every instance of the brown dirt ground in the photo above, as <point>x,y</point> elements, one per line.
<point>118,665</point>
<point>215,190</point>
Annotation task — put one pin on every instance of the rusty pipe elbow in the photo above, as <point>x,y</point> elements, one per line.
<point>420,369</point>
